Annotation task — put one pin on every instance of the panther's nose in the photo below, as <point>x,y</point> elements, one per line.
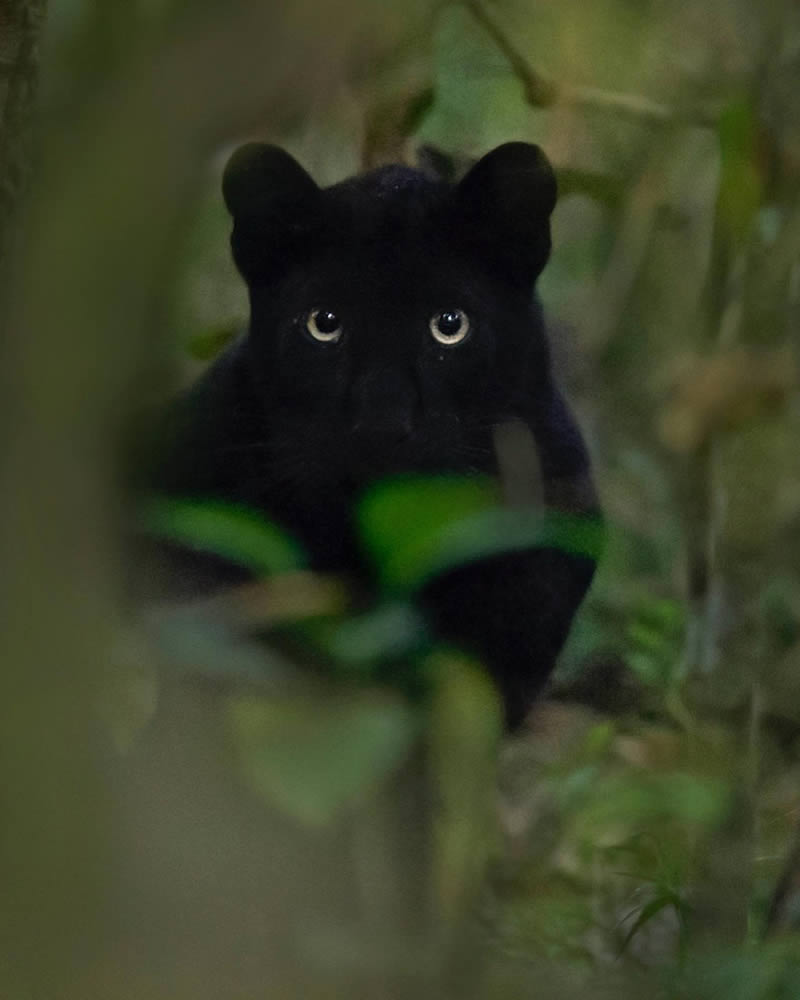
<point>384,404</point>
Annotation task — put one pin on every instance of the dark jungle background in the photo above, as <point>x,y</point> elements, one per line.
<point>188,812</point>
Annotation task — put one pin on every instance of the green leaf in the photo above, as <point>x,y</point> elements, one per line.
<point>402,521</point>
<point>195,648</point>
<point>392,630</point>
<point>632,800</point>
<point>416,527</point>
<point>313,758</point>
<point>231,532</point>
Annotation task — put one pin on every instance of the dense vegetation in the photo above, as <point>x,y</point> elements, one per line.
<point>636,838</point>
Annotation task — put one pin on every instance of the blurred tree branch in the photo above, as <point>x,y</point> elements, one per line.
<point>542,92</point>
<point>115,182</point>
<point>634,231</point>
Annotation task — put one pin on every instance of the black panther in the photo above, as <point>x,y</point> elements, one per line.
<point>393,328</point>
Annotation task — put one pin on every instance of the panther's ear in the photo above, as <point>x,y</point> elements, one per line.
<point>274,203</point>
<point>506,200</point>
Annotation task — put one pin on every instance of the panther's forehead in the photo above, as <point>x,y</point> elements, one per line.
<point>387,205</point>
<point>388,183</point>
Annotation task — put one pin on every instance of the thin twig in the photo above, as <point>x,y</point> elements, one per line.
<point>543,92</point>
<point>539,90</point>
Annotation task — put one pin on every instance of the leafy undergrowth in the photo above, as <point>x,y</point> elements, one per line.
<point>604,865</point>
<point>625,842</point>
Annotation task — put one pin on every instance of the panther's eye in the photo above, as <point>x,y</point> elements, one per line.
<point>450,326</point>
<point>324,325</point>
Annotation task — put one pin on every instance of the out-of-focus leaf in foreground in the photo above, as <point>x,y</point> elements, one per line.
<point>416,527</point>
<point>316,757</point>
<point>389,632</point>
<point>465,729</point>
<point>234,533</point>
<point>406,522</point>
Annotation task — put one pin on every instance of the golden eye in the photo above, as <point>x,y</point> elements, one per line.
<point>324,325</point>
<point>450,326</point>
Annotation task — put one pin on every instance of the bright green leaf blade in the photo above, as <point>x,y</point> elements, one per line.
<point>414,528</point>
<point>234,533</point>
<point>402,521</point>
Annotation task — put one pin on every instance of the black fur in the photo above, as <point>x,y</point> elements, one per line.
<point>297,428</point>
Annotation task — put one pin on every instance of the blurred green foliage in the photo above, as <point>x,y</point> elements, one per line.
<point>609,811</point>
<point>312,759</point>
<point>646,814</point>
<point>235,534</point>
